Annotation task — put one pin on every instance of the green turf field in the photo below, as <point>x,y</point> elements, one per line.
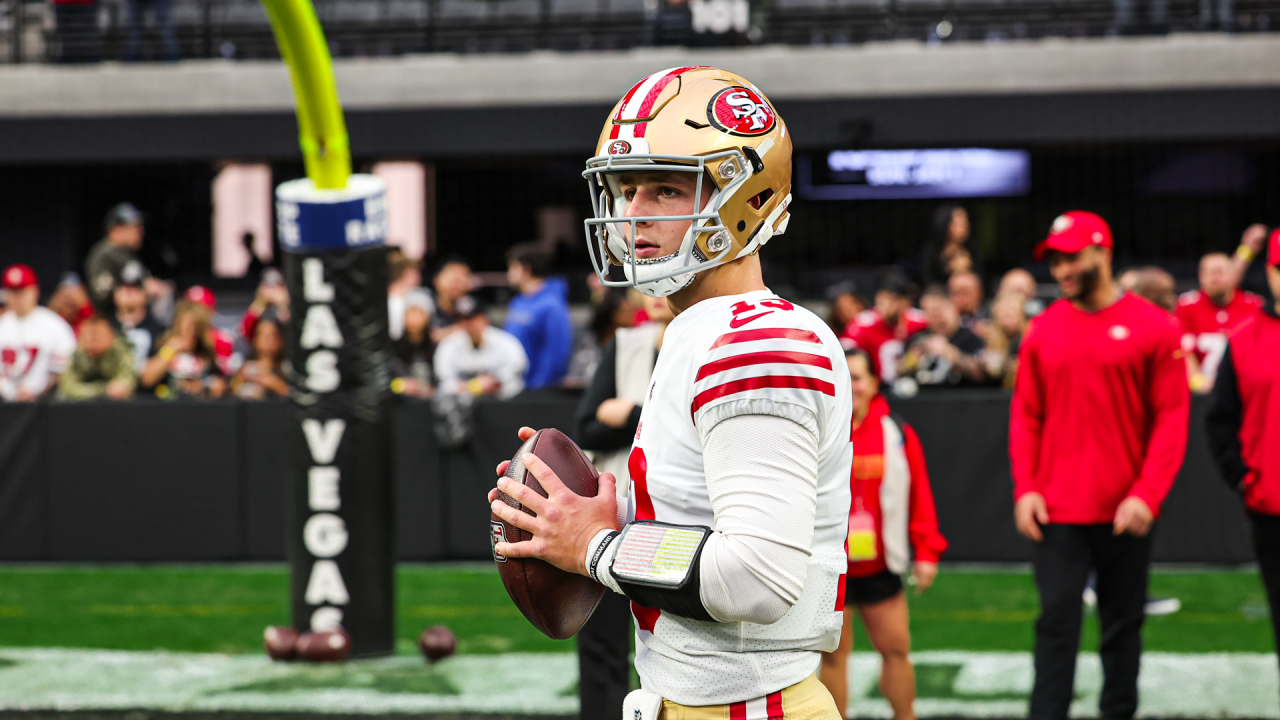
<point>223,608</point>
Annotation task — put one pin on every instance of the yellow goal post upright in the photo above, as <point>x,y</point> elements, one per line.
<point>332,227</point>
<point>322,130</point>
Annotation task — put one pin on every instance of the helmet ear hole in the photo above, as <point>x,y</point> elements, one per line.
<point>759,200</point>
<point>742,225</point>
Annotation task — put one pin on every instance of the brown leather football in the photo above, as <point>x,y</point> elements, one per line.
<point>557,602</point>
<point>327,646</point>
<point>281,642</point>
<point>437,643</point>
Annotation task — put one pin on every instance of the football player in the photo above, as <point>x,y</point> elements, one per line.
<point>733,548</point>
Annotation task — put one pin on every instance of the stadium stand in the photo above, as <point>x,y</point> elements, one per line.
<point>238,29</point>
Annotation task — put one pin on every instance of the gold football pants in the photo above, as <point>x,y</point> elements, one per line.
<point>806,700</point>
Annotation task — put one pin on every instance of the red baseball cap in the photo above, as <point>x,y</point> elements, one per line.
<point>203,295</point>
<point>1074,231</point>
<point>17,277</point>
<point>1273,248</point>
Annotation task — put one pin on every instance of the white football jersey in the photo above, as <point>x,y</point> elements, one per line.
<point>749,354</point>
<point>33,348</point>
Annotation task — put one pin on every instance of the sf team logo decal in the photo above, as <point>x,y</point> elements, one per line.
<point>619,147</point>
<point>740,111</point>
<point>497,534</point>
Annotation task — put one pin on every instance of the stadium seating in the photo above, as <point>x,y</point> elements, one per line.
<point>239,29</point>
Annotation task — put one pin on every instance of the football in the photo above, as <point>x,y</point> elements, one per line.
<point>328,646</point>
<point>437,643</point>
<point>557,602</point>
<point>281,642</point>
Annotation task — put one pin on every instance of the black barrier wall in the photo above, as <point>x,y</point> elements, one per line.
<point>185,482</point>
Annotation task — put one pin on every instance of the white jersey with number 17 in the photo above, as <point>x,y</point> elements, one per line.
<point>33,348</point>
<point>748,354</point>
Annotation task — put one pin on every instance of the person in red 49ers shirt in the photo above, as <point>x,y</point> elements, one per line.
<point>1209,315</point>
<point>1243,427</point>
<point>1097,432</point>
<point>884,330</point>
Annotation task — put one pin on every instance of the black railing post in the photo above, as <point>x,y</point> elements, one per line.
<point>544,23</point>
<point>206,28</point>
<point>433,12</point>
<point>15,46</point>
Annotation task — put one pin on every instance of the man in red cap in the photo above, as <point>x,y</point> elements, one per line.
<point>1243,425</point>
<point>35,342</point>
<point>1098,429</point>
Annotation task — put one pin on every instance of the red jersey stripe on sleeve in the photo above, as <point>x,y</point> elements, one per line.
<point>761,358</point>
<point>764,381</point>
<point>767,334</point>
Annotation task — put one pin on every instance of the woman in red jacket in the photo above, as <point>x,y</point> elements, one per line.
<point>892,511</point>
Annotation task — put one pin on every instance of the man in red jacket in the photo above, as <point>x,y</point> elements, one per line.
<point>1243,426</point>
<point>1097,433</point>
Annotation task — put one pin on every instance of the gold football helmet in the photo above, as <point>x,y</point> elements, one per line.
<point>700,120</point>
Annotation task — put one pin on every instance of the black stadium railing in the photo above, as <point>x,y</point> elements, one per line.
<point>238,29</point>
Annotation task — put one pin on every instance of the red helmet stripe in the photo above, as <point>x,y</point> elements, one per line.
<point>632,108</point>
<point>656,90</point>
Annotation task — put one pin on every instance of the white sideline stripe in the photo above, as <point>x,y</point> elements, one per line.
<point>1219,685</point>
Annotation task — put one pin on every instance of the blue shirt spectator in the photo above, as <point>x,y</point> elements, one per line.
<point>539,315</point>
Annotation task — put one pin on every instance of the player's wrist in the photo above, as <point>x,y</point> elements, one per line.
<point>597,550</point>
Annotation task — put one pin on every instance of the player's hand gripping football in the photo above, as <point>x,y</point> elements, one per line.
<point>563,522</point>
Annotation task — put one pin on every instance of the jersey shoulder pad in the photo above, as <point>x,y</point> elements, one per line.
<point>783,364</point>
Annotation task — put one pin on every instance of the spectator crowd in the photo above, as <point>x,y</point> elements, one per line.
<point>956,338</point>
<point>122,332</point>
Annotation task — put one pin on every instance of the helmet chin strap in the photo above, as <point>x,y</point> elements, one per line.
<point>664,287</point>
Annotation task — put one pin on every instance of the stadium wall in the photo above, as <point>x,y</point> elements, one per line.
<point>1185,88</point>
<point>150,482</point>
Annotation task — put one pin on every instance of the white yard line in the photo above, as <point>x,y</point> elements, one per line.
<point>1235,685</point>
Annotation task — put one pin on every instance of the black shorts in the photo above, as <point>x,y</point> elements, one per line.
<point>871,589</point>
